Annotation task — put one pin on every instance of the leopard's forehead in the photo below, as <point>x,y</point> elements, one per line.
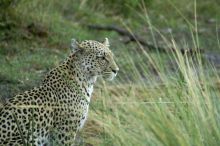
<point>95,45</point>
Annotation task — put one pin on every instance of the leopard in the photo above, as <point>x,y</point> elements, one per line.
<point>53,112</point>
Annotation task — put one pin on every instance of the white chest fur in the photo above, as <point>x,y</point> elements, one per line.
<point>86,108</point>
<point>89,90</point>
<point>85,114</point>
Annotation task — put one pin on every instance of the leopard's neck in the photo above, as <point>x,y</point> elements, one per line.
<point>69,73</point>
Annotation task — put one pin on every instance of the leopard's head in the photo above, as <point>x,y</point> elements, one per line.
<point>95,58</point>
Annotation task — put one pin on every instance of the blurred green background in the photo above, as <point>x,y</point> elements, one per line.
<point>35,37</point>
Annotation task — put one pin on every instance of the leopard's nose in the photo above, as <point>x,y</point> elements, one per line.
<point>115,70</point>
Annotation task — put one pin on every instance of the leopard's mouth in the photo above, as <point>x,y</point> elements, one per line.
<point>109,75</point>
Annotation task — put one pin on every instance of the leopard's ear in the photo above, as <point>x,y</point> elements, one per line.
<point>74,45</point>
<point>106,42</point>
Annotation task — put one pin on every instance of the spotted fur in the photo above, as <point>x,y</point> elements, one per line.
<point>58,108</point>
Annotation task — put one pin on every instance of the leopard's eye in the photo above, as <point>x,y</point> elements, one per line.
<point>101,57</point>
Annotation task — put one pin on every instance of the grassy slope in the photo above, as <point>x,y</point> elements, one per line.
<point>119,113</point>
